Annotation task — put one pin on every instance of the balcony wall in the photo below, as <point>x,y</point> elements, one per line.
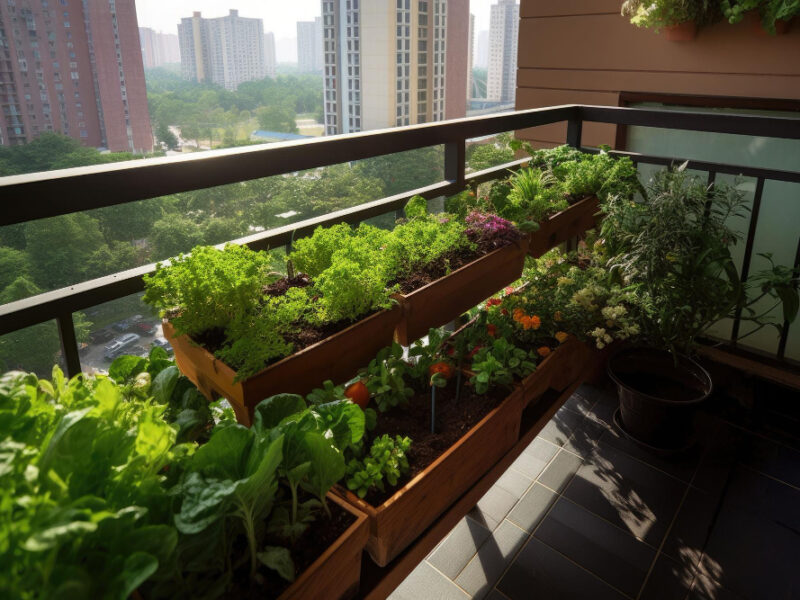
<point>583,51</point>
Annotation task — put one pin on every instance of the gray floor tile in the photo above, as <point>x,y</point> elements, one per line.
<point>458,547</point>
<point>773,459</point>
<point>493,507</point>
<point>627,492</point>
<point>486,567</point>
<point>706,588</point>
<point>515,482</point>
<point>580,402</point>
<point>427,582</point>
<point>755,542</point>
<point>495,595</point>
<point>541,572</point>
<point>530,510</point>
<point>560,470</point>
<point>668,580</point>
<point>560,427</point>
<point>610,553</point>
<point>692,526</point>
<point>535,457</point>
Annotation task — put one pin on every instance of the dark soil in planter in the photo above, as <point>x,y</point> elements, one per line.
<point>301,336</point>
<point>320,535</point>
<point>444,265</point>
<point>453,420</point>
<point>661,386</point>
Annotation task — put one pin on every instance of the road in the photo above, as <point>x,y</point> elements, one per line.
<point>93,361</point>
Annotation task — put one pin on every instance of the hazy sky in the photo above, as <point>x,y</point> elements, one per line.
<point>280,16</point>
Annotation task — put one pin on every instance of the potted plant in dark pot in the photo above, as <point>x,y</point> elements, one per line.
<point>765,16</point>
<point>674,247</point>
<point>679,19</point>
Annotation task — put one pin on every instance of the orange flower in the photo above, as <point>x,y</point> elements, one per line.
<point>491,330</point>
<point>561,336</point>
<point>557,315</point>
<point>543,351</point>
<point>536,322</point>
<point>518,314</point>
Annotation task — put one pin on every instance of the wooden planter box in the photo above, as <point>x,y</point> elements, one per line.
<point>413,508</point>
<point>565,365</point>
<point>337,358</point>
<point>565,225</point>
<point>335,574</point>
<point>443,300</point>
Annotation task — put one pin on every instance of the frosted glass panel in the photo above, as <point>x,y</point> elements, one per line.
<point>778,228</point>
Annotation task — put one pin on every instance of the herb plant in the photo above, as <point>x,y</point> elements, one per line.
<point>663,13</point>
<point>386,375</point>
<point>386,461</point>
<point>769,11</point>
<point>499,364</point>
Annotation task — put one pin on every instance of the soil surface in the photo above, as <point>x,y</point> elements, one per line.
<point>444,265</point>
<point>454,418</point>
<point>317,539</point>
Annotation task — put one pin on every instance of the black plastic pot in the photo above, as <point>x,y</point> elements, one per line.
<point>658,397</point>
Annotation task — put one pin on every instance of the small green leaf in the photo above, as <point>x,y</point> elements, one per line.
<point>125,368</point>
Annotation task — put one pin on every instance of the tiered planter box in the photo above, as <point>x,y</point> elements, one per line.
<point>335,574</point>
<point>336,358</point>
<point>563,226</point>
<point>443,300</point>
<point>413,508</point>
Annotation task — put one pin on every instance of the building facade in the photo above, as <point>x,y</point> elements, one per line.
<point>501,80</point>
<point>158,48</point>
<point>225,51</point>
<point>269,54</point>
<point>457,58</point>
<point>384,63</point>
<point>309,46</point>
<point>73,67</point>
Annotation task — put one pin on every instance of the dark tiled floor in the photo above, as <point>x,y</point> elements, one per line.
<point>584,513</point>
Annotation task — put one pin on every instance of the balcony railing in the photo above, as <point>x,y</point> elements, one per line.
<point>54,193</point>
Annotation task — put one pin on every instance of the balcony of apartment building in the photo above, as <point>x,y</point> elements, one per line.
<point>576,504</point>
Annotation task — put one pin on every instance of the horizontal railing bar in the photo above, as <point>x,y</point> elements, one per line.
<point>700,165</point>
<point>37,195</point>
<point>495,172</point>
<point>46,306</point>
<point>740,124</point>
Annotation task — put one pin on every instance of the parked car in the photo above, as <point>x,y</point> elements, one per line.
<point>122,326</point>
<point>162,343</point>
<point>118,346</point>
<point>146,328</point>
<point>100,336</point>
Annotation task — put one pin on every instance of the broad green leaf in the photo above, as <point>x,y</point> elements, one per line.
<point>125,368</point>
<point>204,502</point>
<point>271,411</point>
<point>327,464</point>
<point>164,384</point>
<point>224,456</point>
<point>138,567</point>
<point>157,353</point>
<point>278,559</point>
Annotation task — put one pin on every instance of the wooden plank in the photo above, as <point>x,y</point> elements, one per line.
<point>610,42</point>
<point>718,84</point>
<point>548,8</point>
<point>377,583</point>
<point>752,366</point>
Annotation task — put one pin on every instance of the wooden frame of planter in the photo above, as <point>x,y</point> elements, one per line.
<point>414,507</point>
<point>562,226</point>
<point>443,300</point>
<point>337,572</point>
<point>560,369</point>
<point>336,358</point>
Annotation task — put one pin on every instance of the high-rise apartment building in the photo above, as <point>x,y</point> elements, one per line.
<point>385,63</point>
<point>470,52</point>
<point>73,67</point>
<point>457,58</point>
<point>501,81</point>
<point>158,48</point>
<point>226,51</point>
<point>309,46</point>
<point>269,54</point>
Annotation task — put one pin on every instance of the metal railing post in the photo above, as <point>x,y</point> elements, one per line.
<point>574,132</point>
<point>69,344</point>
<point>455,154</point>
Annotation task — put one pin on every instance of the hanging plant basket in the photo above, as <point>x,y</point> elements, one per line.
<point>336,358</point>
<point>443,300</point>
<point>565,225</point>
<point>682,32</point>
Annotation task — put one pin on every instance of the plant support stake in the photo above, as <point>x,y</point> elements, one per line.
<point>433,409</point>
